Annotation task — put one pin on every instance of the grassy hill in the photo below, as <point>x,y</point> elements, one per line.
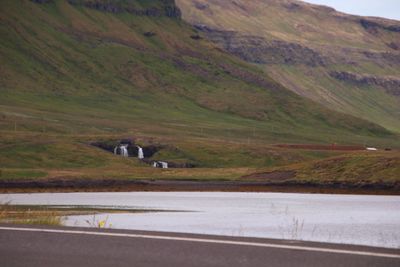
<point>347,63</point>
<point>79,71</point>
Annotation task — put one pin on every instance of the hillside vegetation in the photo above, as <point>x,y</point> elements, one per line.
<point>78,71</point>
<point>347,63</point>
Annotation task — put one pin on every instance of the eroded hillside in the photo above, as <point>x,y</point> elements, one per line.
<point>301,45</point>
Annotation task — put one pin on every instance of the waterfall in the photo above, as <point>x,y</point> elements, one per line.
<point>121,150</point>
<point>164,164</point>
<point>140,152</point>
<point>124,150</point>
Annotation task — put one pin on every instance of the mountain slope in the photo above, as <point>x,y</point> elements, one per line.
<point>83,72</point>
<point>114,66</point>
<point>347,63</point>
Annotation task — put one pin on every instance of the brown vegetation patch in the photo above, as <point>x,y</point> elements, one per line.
<point>325,164</point>
<point>322,147</point>
<point>332,187</point>
<point>275,175</point>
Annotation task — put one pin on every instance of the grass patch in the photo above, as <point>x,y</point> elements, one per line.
<point>9,174</point>
<point>360,167</point>
<point>55,214</point>
<point>29,215</point>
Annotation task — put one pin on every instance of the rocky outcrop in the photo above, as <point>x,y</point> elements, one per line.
<point>107,146</point>
<point>385,57</point>
<point>390,84</point>
<point>172,164</point>
<point>201,6</point>
<point>150,150</point>
<point>192,68</point>
<point>149,34</point>
<point>292,6</point>
<point>133,150</point>
<point>181,165</point>
<point>373,26</point>
<point>393,45</point>
<point>250,77</point>
<point>157,9</point>
<point>258,50</point>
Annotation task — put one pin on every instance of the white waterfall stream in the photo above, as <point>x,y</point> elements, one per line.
<point>140,152</point>
<point>124,151</point>
<point>121,150</point>
<point>164,164</point>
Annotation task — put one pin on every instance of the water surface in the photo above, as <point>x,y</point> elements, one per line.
<point>351,219</point>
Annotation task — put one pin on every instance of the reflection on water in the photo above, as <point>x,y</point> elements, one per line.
<point>365,220</point>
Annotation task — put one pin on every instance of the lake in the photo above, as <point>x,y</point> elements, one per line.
<point>352,219</point>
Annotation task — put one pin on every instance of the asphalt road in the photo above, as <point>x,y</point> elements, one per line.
<point>57,246</point>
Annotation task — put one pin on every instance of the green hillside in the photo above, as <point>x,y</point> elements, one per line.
<point>347,63</point>
<point>74,72</point>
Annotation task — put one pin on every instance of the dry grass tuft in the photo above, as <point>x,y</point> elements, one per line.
<point>38,215</point>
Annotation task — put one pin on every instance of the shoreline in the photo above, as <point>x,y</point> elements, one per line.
<point>117,185</point>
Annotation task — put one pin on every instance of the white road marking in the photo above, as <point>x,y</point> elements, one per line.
<point>207,240</point>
